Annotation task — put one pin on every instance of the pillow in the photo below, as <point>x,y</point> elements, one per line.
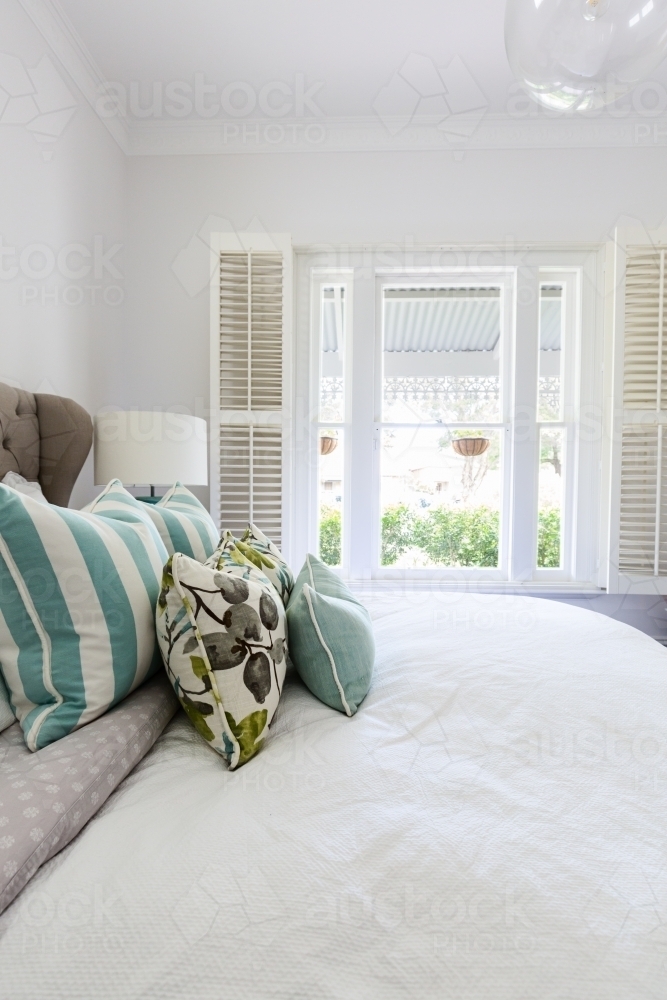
<point>223,641</point>
<point>331,638</point>
<point>255,549</point>
<point>22,485</point>
<point>7,717</point>
<point>48,797</point>
<point>184,524</point>
<point>77,603</point>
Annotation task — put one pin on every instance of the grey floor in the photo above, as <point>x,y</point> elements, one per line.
<point>648,613</point>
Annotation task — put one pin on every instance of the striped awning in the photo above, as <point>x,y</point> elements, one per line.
<point>441,319</point>
<point>444,319</point>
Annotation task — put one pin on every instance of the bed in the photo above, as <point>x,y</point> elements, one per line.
<point>491,823</point>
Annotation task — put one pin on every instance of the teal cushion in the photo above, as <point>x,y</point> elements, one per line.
<point>78,591</point>
<point>184,524</point>
<point>182,521</point>
<point>330,638</point>
<point>7,717</point>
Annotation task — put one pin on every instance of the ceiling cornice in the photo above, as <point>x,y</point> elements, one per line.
<point>163,137</point>
<point>458,133</point>
<point>64,41</point>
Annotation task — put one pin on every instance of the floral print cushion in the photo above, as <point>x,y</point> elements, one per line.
<point>222,634</point>
<point>256,550</point>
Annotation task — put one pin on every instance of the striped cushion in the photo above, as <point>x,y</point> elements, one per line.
<point>184,524</point>
<point>6,715</point>
<point>77,601</point>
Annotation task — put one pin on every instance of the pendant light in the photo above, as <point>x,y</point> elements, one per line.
<point>583,54</point>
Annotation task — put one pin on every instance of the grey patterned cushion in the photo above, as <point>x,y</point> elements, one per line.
<point>47,797</point>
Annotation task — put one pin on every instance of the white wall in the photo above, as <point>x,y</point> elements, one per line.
<point>56,194</point>
<point>540,195</point>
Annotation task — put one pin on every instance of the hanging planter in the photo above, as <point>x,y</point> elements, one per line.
<point>470,447</point>
<point>328,443</point>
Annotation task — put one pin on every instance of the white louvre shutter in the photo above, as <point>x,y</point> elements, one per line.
<point>248,339</point>
<point>640,466</point>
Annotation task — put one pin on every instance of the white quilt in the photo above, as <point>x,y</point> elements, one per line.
<point>491,825</point>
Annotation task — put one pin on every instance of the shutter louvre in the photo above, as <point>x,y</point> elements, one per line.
<point>643,496</point>
<point>251,323</point>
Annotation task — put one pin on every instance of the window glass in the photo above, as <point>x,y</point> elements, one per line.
<point>330,495</point>
<point>551,338</point>
<point>332,354</point>
<point>441,354</point>
<point>550,499</point>
<point>441,497</point>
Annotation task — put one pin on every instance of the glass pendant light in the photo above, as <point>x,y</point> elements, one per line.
<point>583,54</point>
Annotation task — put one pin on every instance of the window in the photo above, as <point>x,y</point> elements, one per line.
<point>331,302</point>
<point>556,373</point>
<point>440,414</point>
<point>442,439</point>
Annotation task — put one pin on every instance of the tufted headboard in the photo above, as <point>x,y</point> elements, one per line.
<point>45,438</point>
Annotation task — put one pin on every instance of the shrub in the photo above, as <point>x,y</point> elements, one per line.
<point>330,535</point>
<point>398,527</point>
<point>459,537</point>
<point>449,536</point>
<point>548,538</point>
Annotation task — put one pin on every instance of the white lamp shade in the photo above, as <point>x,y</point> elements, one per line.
<point>150,447</point>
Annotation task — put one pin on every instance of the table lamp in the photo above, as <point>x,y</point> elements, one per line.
<point>153,447</point>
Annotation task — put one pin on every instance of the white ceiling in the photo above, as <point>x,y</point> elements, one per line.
<point>352,46</point>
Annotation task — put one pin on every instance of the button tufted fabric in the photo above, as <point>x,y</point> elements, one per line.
<point>20,433</point>
<point>44,438</point>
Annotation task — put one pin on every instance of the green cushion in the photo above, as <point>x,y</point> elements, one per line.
<point>330,637</point>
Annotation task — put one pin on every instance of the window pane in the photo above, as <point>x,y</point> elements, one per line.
<point>550,499</point>
<point>441,493</point>
<point>441,355</point>
<point>332,354</point>
<point>331,496</point>
<point>551,338</point>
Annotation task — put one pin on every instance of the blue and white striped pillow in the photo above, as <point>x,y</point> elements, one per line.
<point>7,717</point>
<point>78,591</point>
<point>184,524</point>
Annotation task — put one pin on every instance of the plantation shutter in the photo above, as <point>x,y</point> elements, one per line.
<point>248,359</point>
<point>640,468</point>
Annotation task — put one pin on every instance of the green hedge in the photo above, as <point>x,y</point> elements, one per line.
<point>330,535</point>
<point>548,538</point>
<point>449,536</point>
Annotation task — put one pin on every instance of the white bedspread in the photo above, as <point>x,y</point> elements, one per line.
<point>491,824</point>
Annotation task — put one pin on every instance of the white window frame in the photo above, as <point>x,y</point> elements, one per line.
<point>363,270</point>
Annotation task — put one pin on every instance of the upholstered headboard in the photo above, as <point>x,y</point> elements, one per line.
<point>44,438</point>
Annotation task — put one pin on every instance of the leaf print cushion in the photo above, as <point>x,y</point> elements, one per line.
<point>222,635</point>
<point>257,551</point>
